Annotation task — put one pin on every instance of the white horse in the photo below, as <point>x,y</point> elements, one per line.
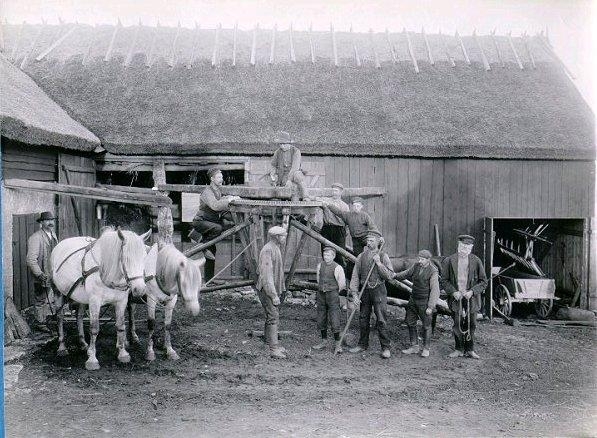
<point>94,273</point>
<point>168,274</point>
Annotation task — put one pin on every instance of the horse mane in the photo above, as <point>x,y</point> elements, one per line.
<point>169,261</point>
<point>112,252</point>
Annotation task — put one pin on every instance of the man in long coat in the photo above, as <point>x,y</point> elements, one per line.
<point>464,280</point>
<point>270,284</point>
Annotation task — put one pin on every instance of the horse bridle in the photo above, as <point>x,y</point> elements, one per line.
<point>128,279</point>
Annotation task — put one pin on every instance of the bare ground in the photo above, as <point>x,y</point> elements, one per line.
<point>531,381</point>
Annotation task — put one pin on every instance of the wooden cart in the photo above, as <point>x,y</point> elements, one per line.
<point>519,287</point>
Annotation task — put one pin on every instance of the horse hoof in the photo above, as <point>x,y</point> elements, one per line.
<point>173,356</point>
<point>92,366</point>
<point>124,358</point>
<point>150,356</point>
<point>62,353</point>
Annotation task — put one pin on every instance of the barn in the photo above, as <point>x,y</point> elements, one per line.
<point>475,134</point>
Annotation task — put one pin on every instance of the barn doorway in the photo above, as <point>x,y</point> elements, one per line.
<point>23,226</point>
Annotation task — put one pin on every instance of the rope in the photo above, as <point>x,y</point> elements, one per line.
<point>465,333</point>
<point>232,261</point>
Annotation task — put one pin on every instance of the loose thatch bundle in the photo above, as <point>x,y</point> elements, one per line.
<point>15,326</point>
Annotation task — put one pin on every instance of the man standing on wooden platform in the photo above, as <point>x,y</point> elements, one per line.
<point>213,217</point>
<point>375,295</point>
<point>286,165</point>
<point>39,247</point>
<point>464,280</point>
<point>334,228</point>
<point>270,285</point>
<point>424,296</point>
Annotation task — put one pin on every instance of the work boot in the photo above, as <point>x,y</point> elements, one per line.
<point>357,349</point>
<point>277,353</point>
<point>414,349</point>
<point>321,345</point>
<point>385,354</point>
<point>456,353</point>
<point>425,352</point>
<point>338,347</point>
<point>472,355</point>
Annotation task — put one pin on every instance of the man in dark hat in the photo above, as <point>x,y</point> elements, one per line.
<point>375,295</point>
<point>285,166</point>
<point>425,293</point>
<point>39,247</point>
<point>334,228</point>
<point>213,217</point>
<point>464,280</point>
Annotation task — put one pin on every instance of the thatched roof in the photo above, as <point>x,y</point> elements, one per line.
<point>443,110</point>
<point>28,115</point>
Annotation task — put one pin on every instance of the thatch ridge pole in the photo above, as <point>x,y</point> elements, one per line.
<point>15,49</point>
<point>214,57</point>
<point>234,36</point>
<point>464,52</point>
<point>410,51</point>
<point>149,60</point>
<point>448,55</point>
<point>483,57</point>
<point>391,47</point>
<point>193,46</point>
<point>272,46</point>
<point>357,58</point>
<point>292,54</point>
<point>32,47</point>
<point>111,45</point>
<point>165,224</point>
<point>89,48</point>
<point>254,44</point>
<point>375,55</point>
<point>429,54</point>
<point>334,48</point>
<point>514,51</point>
<point>311,50</point>
<point>131,51</point>
<point>525,38</point>
<point>497,49</point>
<point>172,61</point>
<point>56,43</point>
<point>550,52</point>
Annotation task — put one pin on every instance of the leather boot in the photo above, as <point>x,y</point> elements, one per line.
<point>414,346</point>
<point>271,338</point>
<point>426,342</point>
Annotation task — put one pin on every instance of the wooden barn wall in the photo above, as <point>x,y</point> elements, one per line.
<point>81,172</point>
<point>25,161</point>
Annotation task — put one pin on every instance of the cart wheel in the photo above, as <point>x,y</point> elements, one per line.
<point>543,307</point>
<point>504,301</point>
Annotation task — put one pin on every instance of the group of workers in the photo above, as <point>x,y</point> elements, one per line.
<point>462,275</point>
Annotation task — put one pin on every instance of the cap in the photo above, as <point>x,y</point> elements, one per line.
<point>328,248</point>
<point>465,238</point>
<point>213,171</point>
<point>338,186</point>
<point>282,137</point>
<point>357,199</point>
<point>276,231</point>
<point>425,254</point>
<point>373,232</point>
<point>46,216</point>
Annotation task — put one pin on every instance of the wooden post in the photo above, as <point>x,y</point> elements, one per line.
<point>193,46</point>
<point>497,49</point>
<point>448,55</point>
<point>228,285</point>
<point>334,48</point>
<point>295,261</point>
<point>73,202</point>
<point>410,51</point>
<point>234,44</point>
<point>272,46</point>
<point>172,61</point>
<point>528,48</point>
<point>483,57</point>
<point>32,47</point>
<point>464,52</point>
<point>254,45</point>
<point>131,51</point>
<point>149,58</point>
<point>165,224</point>
<point>315,235</point>
<point>56,43</point>
<point>250,261</point>
<point>214,57</point>
<point>311,51</point>
<point>357,58</point>
<point>391,47</point>
<point>514,51</point>
<point>203,246</point>
<point>429,54</point>
<point>438,246</point>
<point>292,54</point>
<point>111,45</point>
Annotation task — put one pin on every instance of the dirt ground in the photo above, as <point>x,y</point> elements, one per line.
<point>531,381</point>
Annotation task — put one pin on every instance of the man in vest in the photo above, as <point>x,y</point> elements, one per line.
<point>270,284</point>
<point>425,293</point>
<point>213,217</point>
<point>375,295</point>
<point>39,247</point>
<point>464,280</point>
<point>285,167</point>
<point>334,228</point>
<point>331,280</point>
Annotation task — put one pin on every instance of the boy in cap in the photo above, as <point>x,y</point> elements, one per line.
<point>270,284</point>
<point>375,295</point>
<point>334,228</point>
<point>425,293</point>
<point>331,280</point>
<point>285,167</point>
<point>213,217</point>
<point>464,280</point>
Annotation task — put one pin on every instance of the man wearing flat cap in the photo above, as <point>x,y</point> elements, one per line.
<point>39,247</point>
<point>464,280</point>
<point>375,295</point>
<point>334,228</point>
<point>285,167</point>
<point>270,284</point>
<point>213,216</point>
<point>425,293</point>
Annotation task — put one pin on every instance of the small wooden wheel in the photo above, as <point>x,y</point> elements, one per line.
<point>504,300</point>
<point>543,307</point>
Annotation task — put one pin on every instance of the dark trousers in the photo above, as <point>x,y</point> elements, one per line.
<point>328,310</point>
<point>335,234</point>
<point>374,299</point>
<point>272,314</point>
<point>464,341</point>
<point>416,311</point>
<point>358,246</point>
<point>209,230</point>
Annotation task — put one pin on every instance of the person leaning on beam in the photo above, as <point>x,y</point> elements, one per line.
<point>213,217</point>
<point>334,228</point>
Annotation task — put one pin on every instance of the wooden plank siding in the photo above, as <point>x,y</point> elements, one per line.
<point>24,161</point>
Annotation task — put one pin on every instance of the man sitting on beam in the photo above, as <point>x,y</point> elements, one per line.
<point>285,167</point>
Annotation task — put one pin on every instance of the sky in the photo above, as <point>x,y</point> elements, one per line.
<point>570,24</point>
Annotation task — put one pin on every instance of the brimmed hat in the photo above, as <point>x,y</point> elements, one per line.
<point>282,137</point>
<point>276,231</point>
<point>425,254</point>
<point>213,171</point>
<point>465,238</point>
<point>338,186</point>
<point>329,248</point>
<point>46,216</point>
<point>373,233</point>
<point>357,199</point>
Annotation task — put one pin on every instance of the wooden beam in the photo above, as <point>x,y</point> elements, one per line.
<point>497,49</point>
<point>194,42</point>
<point>518,61</point>
<point>391,47</point>
<point>254,45</point>
<point>292,54</point>
<point>272,46</point>
<point>429,54</point>
<point>228,285</point>
<point>146,167</point>
<point>203,246</point>
<point>32,47</point>
<point>311,50</point>
<point>128,189</point>
<point>462,48</point>
<point>483,57</point>
<point>173,159</point>
<point>86,192</point>
<point>234,44</point>
<point>165,224</point>
<point>315,235</point>
<point>275,192</point>
<point>56,43</point>
<point>357,58</point>
<point>295,261</point>
<point>410,51</point>
<point>334,47</point>
<point>111,45</point>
